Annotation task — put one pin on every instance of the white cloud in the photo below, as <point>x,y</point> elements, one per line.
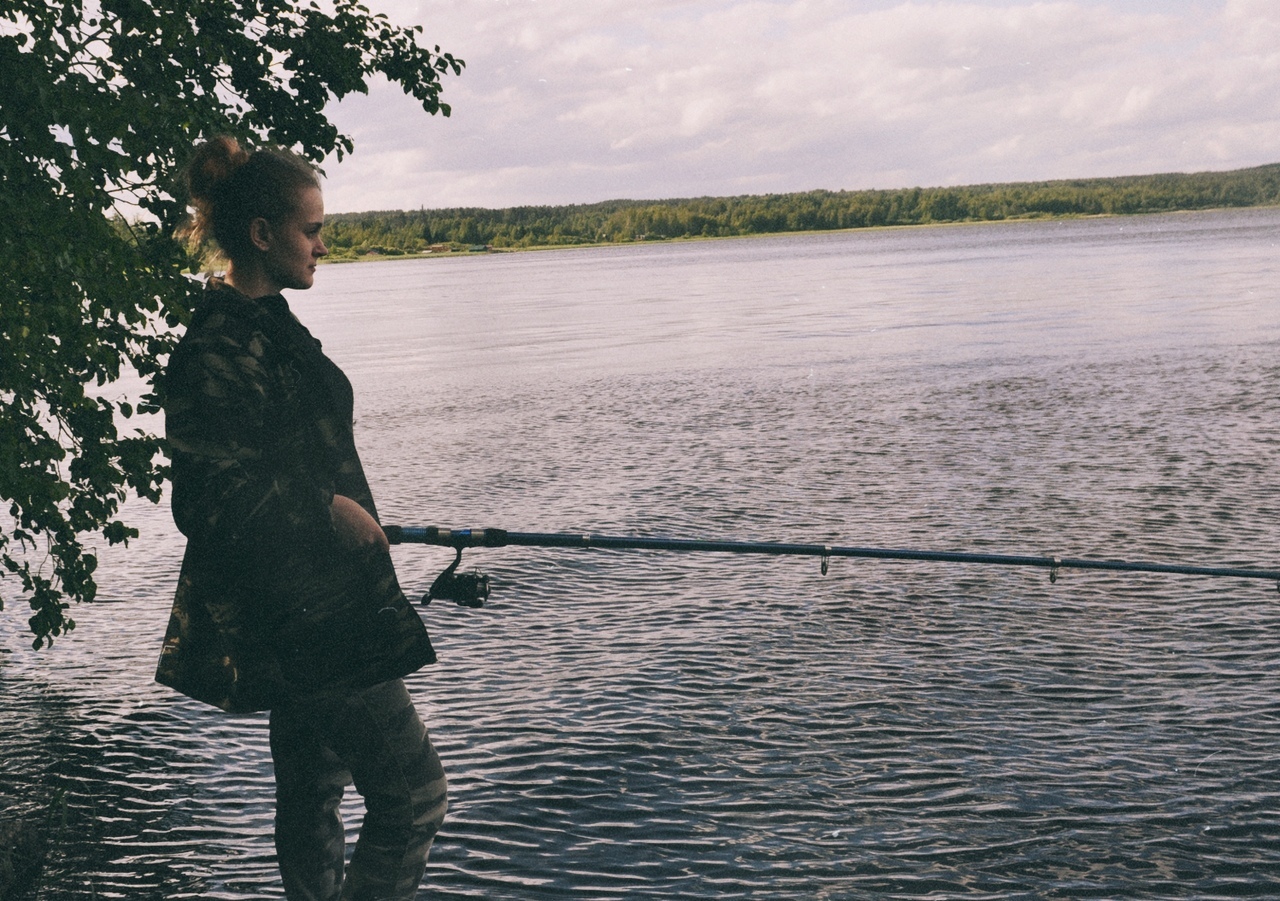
<point>564,101</point>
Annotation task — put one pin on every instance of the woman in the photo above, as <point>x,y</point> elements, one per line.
<point>287,599</point>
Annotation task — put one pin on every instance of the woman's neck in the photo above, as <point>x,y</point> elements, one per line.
<point>250,281</point>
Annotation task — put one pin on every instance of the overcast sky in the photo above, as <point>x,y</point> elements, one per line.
<point>576,101</point>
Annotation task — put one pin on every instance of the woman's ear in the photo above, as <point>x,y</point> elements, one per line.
<point>260,233</point>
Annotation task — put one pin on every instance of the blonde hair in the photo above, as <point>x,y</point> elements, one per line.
<point>229,187</point>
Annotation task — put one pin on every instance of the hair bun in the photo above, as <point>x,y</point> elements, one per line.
<point>213,164</point>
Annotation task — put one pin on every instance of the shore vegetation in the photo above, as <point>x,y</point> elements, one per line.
<point>381,234</point>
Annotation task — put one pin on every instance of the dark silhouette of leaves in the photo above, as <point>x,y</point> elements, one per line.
<point>102,104</point>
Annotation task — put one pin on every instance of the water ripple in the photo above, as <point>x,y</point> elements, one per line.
<point>638,724</point>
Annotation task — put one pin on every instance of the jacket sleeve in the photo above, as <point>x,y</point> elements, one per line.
<point>240,468</point>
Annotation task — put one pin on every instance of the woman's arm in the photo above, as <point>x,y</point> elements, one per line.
<point>230,482</point>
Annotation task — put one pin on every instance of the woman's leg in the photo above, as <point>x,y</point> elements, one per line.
<point>398,773</point>
<point>310,779</point>
<point>376,738</point>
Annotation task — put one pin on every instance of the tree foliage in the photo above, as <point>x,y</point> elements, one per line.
<point>102,102</point>
<point>352,235</point>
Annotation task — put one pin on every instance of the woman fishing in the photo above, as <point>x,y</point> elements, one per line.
<point>287,600</point>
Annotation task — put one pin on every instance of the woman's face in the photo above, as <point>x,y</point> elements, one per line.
<point>293,245</point>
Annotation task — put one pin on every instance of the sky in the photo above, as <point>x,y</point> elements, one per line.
<point>578,101</point>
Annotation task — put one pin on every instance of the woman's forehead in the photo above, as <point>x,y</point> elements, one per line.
<point>310,204</point>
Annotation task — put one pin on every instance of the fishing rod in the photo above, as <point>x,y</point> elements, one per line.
<point>471,589</point>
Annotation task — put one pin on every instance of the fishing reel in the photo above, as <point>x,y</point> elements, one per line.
<point>464,589</point>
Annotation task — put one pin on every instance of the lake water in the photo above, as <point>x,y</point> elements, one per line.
<point>624,725</point>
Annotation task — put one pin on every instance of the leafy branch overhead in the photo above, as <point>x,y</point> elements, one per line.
<point>102,103</point>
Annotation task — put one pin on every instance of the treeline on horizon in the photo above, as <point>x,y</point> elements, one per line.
<point>394,233</point>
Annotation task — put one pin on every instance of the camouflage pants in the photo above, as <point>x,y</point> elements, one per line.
<point>375,739</point>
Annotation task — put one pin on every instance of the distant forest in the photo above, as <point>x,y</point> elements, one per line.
<point>394,233</point>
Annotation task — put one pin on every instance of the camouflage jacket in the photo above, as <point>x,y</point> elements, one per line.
<point>268,606</point>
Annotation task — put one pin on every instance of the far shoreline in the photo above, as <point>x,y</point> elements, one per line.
<point>688,239</point>
<point>387,234</point>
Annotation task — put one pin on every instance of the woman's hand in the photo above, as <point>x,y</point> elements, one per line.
<point>355,527</point>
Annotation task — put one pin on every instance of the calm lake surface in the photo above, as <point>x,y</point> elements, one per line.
<point>653,725</point>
